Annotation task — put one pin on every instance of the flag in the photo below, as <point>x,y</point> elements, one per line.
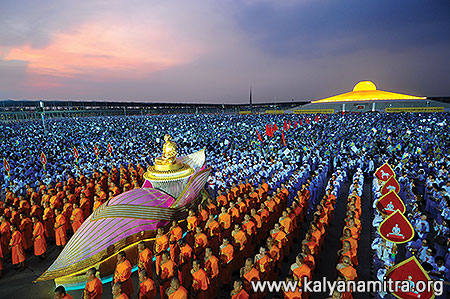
<point>285,126</point>
<point>396,228</point>
<point>43,159</point>
<point>412,279</point>
<point>259,136</point>
<point>389,203</point>
<point>6,165</point>
<point>75,154</point>
<point>96,151</point>
<point>390,185</point>
<point>295,124</point>
<point>282,135</point>
<point>289,126</point>
<point>384,172</point>
<point>109,148</point>
<point>275,126</point>
<point>301,123</point>
<point>267,133</point>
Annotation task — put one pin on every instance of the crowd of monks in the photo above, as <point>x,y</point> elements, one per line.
<point>218,241</point>
<point>52,213</point>
<point>347,255</point>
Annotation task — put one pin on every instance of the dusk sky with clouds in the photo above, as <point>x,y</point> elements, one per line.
<point>213,51</point>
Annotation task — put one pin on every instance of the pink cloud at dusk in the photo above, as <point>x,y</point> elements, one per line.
<point>104,50</point>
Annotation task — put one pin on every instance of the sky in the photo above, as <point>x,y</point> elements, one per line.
<point>213,51</point>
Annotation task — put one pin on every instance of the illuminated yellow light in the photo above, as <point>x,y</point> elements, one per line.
<point>367,91</point>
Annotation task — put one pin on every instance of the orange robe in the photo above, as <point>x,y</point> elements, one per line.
<point>147,289</point>
<point>349,273</point>
<point>49,222</point>
<point>16,243</point>
<point>26,227</point>
<point>60,230</point>
<point>181,293</point>
<point>241,295</point>
<point>225,220</point>
<point>77,219</point>
<point>122,274</point>
<point>40,246</point>
<point>175,234</point>
<point>145,261</point>
<point>5,231</point>
<point>200,280</point>
<point>161,245</point>
<point>93,289</point>
<point>302,271</point>
<point>241,239</point>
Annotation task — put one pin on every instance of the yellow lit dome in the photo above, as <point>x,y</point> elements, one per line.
<point>364,86</point>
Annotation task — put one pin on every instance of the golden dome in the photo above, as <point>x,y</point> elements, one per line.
<point>364,86</point>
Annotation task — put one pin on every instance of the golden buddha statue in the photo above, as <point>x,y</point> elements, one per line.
<point>167,167</point>
<point>169,155</point>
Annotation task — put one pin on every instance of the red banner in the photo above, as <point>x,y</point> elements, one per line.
<point>396,228</point>
<point>284,140</point>
<point>109,148</point>
<point>6,165</point>
<point>390,185</point>
<point>43,158</point>
<point>96,151</point>
<point>259,136</point>
<point>413,280</point>
<point>75,153</point>
<point>384,172</point>
<point>389,203</point>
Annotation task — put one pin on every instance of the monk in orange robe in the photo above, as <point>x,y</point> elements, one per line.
<point>200,281</point>
<point>60,228</point>
<point>16,245</point>
<point>175,234</point>
<point>213,229</point>
<point>161,244</point>
<point>238,291</point>
<point>26,228</point>
<point>147,288</point>
<point>145,258</point>
<point>212,269</point>
<point>49,221</point>
<point>346,269</point>
<point>5,231</point>
<point>200,242</point>
<point>167,272</point>
<point>97,203</point>
<point>184,263</point>
<point>35,209</point>
<point>122,273</point>
<point>192,223</point>
<point>117,291</point>
<point>77,217</point>
<point>176,290</point>
<point>249,273</point>
<point>40,246</point>
<point>226,258</point>
<point>85,206</point>
<point>93,288</point>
